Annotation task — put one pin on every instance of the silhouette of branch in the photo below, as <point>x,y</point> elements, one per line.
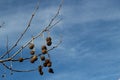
<point>15,70</point>
<point>28,25</point>
<point>31,70</point>
<point>53,22</point>
<point>44,30</point>
<point>14,60</point>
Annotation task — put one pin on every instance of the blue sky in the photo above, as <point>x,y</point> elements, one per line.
<point>91,42</point>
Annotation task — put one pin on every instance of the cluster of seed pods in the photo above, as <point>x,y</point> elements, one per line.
<point>44,57</point>
<point>46,61</point>
<point>32,52</point>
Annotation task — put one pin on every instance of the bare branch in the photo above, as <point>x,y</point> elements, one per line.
<point>57,13</point>
<point>36,8</point>
<point>44,30</point>
<point>12,58</point>
<point>15,70</point>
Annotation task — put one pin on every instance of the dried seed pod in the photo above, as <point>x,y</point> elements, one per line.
<point>50,70</point>
<point>31,46</point>
<point>49,64</point>
<point>44,51</point>
<point>47,61</point>
<point>48,39</point>
<point>20,59</point>
<point>42,58</point>
<point>41,73</point>
<point>44,47</point>
<point>33,59</point>
<point>49,43</point>
<point>45,64</point>
<point>40,68</point>
<point>32,52</point>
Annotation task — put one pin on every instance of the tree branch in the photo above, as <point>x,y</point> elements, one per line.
<point>15,70</point>
<point>18,40</point>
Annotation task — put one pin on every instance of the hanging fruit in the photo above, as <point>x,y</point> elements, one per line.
<point>49,64</point>
<point>33,59</point>
<point>44,49</point>
<point>32,52</point>
<point>42,58</point>
<point>41,73</point>
<point>31,46</point>
<point>50,70</point>
<point>49,41</point>
<point>20,59</point>
<point>47,60</point>
<point>45,64</point>
<point>40,70</point>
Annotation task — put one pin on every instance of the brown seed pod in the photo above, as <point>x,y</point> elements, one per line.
<point>47,61</point>
<point>40,68</point>
<point>49,64</point>
<point>31,46</point>
<point>20,59</point>
<point>44,47</point>
<point>48,39</point>
<point>50,70</point>
<point>33,59</point>
<point>41,73</point>
<point>45,64</point>
<point>42,58</point>
<point>44,51</point>
<point>32,52</point>
<point>49,43</point>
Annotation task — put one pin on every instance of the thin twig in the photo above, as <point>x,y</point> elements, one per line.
<point>44,30</point>
<point>47,28</point>
<point>18,40</point>
<point>15,70</point>
<point>13,60</point>
<point>7,46</point>
<point>57,13</point>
